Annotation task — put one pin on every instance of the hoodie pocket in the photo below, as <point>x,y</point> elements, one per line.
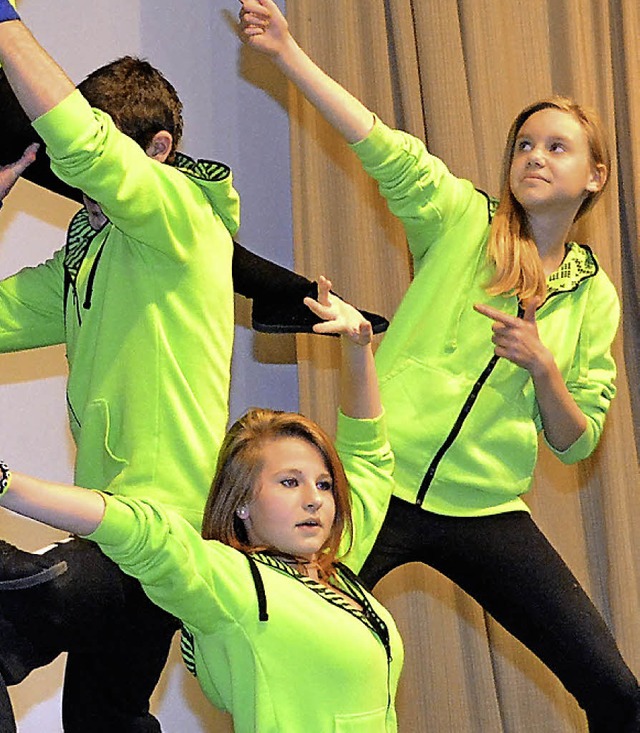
<point>97,464</point>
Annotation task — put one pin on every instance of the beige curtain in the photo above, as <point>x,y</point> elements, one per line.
<point>457,72</point>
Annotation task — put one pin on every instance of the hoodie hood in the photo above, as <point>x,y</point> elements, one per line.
<point>216,181</point>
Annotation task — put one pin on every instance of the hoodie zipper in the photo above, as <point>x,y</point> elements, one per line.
<point>457,425</point>
<point>92,275</point>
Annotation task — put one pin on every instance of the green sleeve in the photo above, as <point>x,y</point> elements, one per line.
<point>32,307</point>
<point>199,581</point>
<point>418,187</point>
<point>368,461</point>
<point>594,387</point>
<point>152,202</point>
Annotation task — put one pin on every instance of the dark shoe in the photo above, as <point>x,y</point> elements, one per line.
<point>20,569</point>
<point>278,293</point>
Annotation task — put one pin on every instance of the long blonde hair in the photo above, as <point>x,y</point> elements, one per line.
<point>239,464</point>
<point>511,248</point>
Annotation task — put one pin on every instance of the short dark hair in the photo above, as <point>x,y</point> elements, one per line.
<point>138,98</point>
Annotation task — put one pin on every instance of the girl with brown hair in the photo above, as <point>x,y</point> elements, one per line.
<point>276,625</point>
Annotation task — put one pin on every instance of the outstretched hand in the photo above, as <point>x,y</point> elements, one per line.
<point>9,174</point>
<point>262,26</point>
<point>517,339</point>
<point>339,318</point>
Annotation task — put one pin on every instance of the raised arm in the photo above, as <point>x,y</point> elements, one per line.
<point>38,82</point>
<point>359,394</point>
<point>264,28</point>
<point>69,508</point>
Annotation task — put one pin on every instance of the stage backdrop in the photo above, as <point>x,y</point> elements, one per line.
<point>455,72</point>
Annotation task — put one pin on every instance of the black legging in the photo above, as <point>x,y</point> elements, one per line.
<point>510,568</point>
<point>7,720</point>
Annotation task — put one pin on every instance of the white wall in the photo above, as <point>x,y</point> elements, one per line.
<point>230,115</point>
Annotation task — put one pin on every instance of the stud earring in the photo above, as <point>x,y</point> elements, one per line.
<point>242,512</point>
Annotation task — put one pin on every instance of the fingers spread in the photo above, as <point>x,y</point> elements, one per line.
<point>324,288</point>
<point>316,307</point>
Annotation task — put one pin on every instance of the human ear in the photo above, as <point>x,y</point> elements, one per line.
<point>160,146</point>
<point>598,178</point>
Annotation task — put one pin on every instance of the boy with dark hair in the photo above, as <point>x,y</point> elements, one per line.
<point>138,98</point>
<point>277,293</point>
<point>141,295</point>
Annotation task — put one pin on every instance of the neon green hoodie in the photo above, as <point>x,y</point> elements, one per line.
<point>454,455</point>
<point>294,658</point>
<point>145,308</point>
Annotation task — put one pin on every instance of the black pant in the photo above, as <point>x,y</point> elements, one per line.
<point>7,722</point>
<point>510,568</point>
<point>117,640</point>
